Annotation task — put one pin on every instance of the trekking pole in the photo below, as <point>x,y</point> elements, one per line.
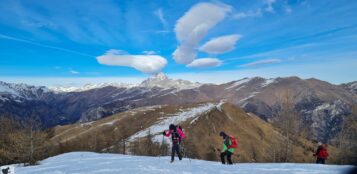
<point>217,152</point>
<point>161,148</point>
<point>187,154</point>
<point>189,159</point>
<point>183,150</point>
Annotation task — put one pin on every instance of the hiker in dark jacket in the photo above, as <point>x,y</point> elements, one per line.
<point>321,154</point>
<point>176,136</point>
<point>227,148</point>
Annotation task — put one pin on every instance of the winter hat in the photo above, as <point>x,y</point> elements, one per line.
<point>222,134</point>
<point>172,127</point>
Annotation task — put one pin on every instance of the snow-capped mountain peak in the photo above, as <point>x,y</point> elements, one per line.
<point>159,80</point>
<point>162,81</point>
<point>161,76</point>
<point>21,90</point>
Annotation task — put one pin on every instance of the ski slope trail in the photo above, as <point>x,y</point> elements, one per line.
<point>95,163</point>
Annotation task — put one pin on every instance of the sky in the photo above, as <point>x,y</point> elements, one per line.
<point>66,42</point>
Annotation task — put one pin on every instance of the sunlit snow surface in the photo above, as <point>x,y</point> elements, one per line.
<point>94,163</point>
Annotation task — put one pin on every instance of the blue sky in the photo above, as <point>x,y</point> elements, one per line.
<point>72,42</point>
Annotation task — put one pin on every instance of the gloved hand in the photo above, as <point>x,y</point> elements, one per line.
<point>164,133</point>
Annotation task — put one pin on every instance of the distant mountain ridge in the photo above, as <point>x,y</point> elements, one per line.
<point>160,80</point>
<point>21,91</point>
<point>88,87</point>
<point>322,105</point>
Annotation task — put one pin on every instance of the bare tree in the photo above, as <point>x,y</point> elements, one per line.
<point>290,123</point>
<point>22,143</point>
<point>8,127</point>
<point>122,141</point>
<point>34,141</point>
<point>346,139</point>
<point>146,146</point>
<point>120,135</point>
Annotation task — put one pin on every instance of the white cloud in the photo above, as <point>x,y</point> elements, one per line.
<point>205,63</point>
<point>261,62</point>
<point>191,28</point>
<point>117,52</point>
<point>161,17</point>
<point>73,72</point>
<point>145,63</point>
<point>269,7</point>
<point>220,44</point>
<point>149,52</point>
<point>248,14</point>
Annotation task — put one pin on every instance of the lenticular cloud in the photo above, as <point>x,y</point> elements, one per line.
<point>149,64</point>
<point>191,28</point>
<point>220,45</point>
<point>205,63</point>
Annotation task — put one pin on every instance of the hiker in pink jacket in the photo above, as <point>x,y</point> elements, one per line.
<point>177,135</point>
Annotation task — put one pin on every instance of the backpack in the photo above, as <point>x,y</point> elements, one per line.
<point>180,132</point>
<point>323,154</point>
<point>234,142</point>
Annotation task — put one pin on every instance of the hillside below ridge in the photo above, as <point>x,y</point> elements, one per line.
<point>202,123</point>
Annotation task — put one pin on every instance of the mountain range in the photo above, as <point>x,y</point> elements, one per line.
<point>321,105</point>
<point>258,140</point>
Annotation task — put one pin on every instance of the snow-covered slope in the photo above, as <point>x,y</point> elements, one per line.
<point>176,118</point>
<point>23,91</point>
<point>352,87</point>
<point>90,163</point>
<point>89,87</point>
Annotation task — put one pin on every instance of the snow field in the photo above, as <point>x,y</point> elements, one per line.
<point>94,163</point>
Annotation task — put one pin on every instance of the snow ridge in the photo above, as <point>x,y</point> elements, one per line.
<point>268,82</point>
<point>21,90</point>
<point>177,118</point>
<point>87,87</point>
<point>238,83</point>
<point>160,80</point>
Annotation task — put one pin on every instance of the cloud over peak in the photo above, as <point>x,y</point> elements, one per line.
<point>191,28</point>
<point>149,64</point>
<point>220,44</point>
<point>205,63</point>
